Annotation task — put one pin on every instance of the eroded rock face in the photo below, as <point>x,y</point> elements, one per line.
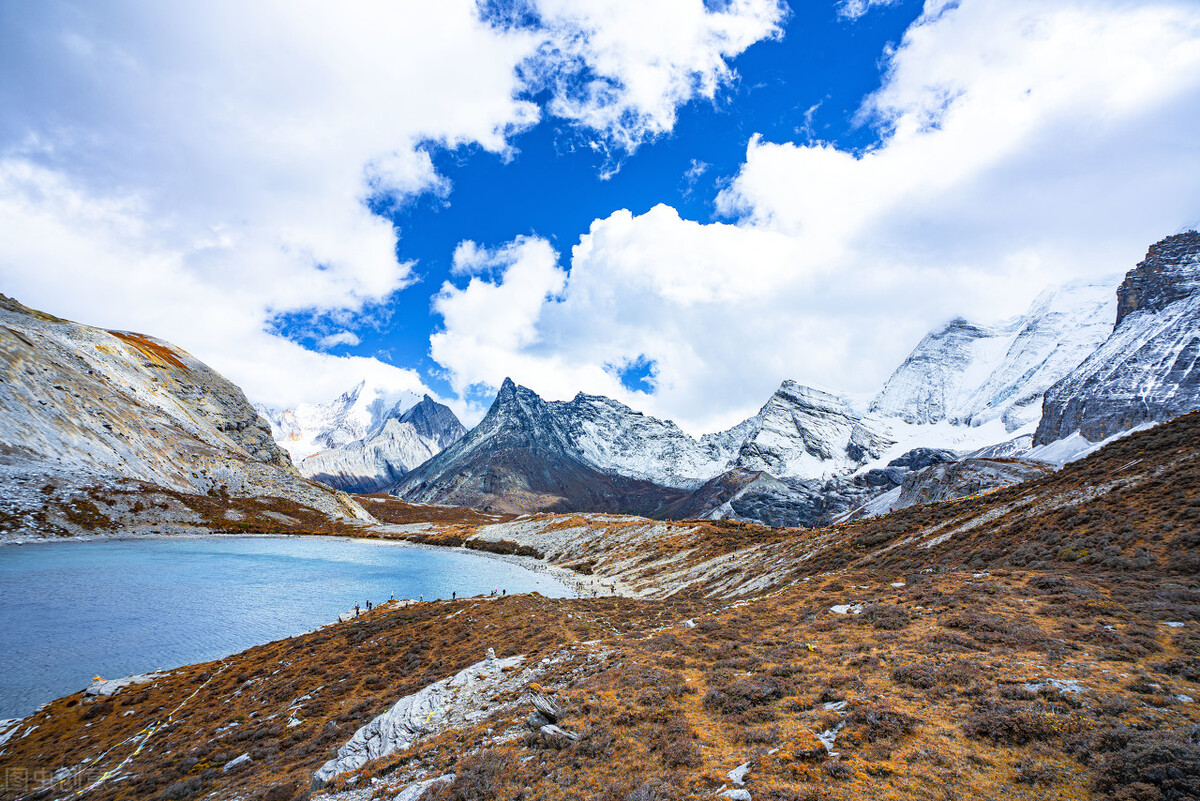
<point>1148,370</point>
<point>1167,274</point>
<point>81,401</point>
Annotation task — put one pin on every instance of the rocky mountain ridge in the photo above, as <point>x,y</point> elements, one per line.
<point>970,374</point>
<point>310,428</point>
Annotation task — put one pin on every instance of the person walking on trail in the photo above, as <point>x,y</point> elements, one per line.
<point>356,609</point>
<point>454,595</point>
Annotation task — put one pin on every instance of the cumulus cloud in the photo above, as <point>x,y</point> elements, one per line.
<point>199,169</point>
<point>1021,144</point>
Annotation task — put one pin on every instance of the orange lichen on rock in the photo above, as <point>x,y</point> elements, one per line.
<point>155,351</point>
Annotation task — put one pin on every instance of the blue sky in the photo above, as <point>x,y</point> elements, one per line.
<point>805,85</point>
<point>679,204</point>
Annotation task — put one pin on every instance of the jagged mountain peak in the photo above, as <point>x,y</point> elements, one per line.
<point>804,432</point>
<point>354,415</point>
<point>1148,369</point>
<point>406,437</point>
<point>1170,272</point>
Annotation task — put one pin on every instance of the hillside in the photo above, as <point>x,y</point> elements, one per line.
<point>88,416</point>
<point>1039,641</point>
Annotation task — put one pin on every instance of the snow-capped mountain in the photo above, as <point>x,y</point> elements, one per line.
<point>527,448</point>
<point>613,438</point>
<point>310,428</point>
<point>807,456</point>
<point>84,407</point>
<point>803,432</point>
<point>528,454</point>
<point>1148,369</point>
<point>970,374</point>
<point>402,441</point>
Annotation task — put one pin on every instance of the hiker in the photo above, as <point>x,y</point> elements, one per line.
<point>356,609</point>
<point>454,595</point>
<point>504,592</point>
<point>422,597</point>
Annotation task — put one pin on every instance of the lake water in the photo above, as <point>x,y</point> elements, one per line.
<point>73,610</point>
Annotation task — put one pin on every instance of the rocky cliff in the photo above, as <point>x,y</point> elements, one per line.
<point>1147,370</point>
<point>88,405</point>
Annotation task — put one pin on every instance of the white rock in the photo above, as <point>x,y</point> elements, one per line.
<point>450,703</point>
<point>843,609</point>
<point>235,763</point>
<point>415,791</point>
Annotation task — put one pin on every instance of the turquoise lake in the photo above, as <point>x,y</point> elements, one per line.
<point>73,610</point>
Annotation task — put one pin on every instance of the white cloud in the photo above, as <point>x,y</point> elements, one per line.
<point>340,338</point>
<point>1024,144</point>
<point>622,68</point>
<point>854,9</point>
<point>195,169</point>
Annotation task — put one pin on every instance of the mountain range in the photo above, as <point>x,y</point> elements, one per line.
<point>1085,362</point>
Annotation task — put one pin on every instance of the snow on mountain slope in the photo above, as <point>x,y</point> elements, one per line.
<point>1148,369</point>
<point>350,417</point>
<point>934,382</point>
<point>404,440</point>
<point>803,432</point>
<point>970,374</point>
<point>79,401</point>
<point>525,456</point>
<point>611,437</point>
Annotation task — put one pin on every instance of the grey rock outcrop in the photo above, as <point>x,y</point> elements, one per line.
<point>1148,370</point>
<point>965,477</point>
